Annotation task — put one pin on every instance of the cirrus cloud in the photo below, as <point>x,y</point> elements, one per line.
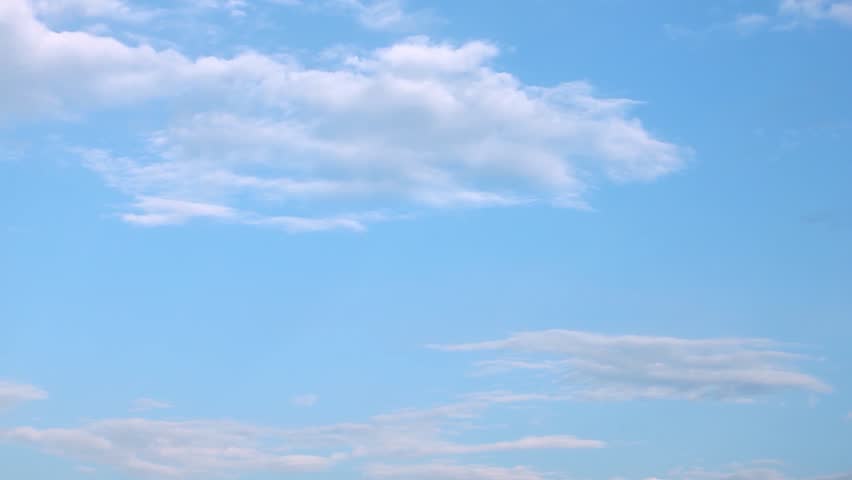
<point>613,367</point>
<point>14,393</point>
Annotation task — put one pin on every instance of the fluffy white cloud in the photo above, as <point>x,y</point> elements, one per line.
<point>451,472</point>
<point>14,393</point>
<point>418,124</point>
<point>598,366</point>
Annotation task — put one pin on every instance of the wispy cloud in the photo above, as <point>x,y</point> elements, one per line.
<point>146,404</point>
<point>608,367</point>
<point>14,393</point>
<point>451,472</point>
<point>383,14</point>
<point>106,9</point>
<point>306,400</point>
<point>167,449</point>
<point>207,447</point>
<point>799,12</point>
<point>788,15</point>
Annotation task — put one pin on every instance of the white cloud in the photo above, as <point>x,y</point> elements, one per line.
<point>206,447</point>
<point>111,9</point>
<point>382,14</point>
<point>792,14</point>
<point>765,469</point>
<point>596,366</point>
<point>306,400</point>
<point>430,432</point>
<point>746,23</point>
<point>166,449</point>
<point>419,124</point>
<point>162,211</point>
<point>751,471</point>
<point>451,472</point>
<point>799,11</point>
<point>12,394</point>
<point>145,404</point>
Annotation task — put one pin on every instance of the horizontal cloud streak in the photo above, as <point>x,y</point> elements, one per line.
<point>14,393</point>
<point>631,366</point>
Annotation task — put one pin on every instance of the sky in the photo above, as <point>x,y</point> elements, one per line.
<point>386,239</point>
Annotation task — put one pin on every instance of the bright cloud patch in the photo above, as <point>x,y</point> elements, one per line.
<point>595,366</point>
<point>418,124</point>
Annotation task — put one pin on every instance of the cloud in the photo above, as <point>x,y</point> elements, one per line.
<point>607,367</point>
<point>166,449</point>
<point>803,11</point>
<point>451,472</point>
<point>12,394</point>
<point>109,9</point>
<point>429,432</point>
<point>145,404</point>
<point>383,14</point>
<point>306,400</point>
<point>415,125</point>
<point>206,447</point>
<point>750,22</point>
<point>792,14</point>
<point>750,471</point>
<point>764,469</point>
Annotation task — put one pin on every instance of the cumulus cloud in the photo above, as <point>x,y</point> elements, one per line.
<point>418,124</point>
<point>12,394</point>
<point>595,366</point>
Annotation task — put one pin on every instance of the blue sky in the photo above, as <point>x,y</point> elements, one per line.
<point>335,239</point>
